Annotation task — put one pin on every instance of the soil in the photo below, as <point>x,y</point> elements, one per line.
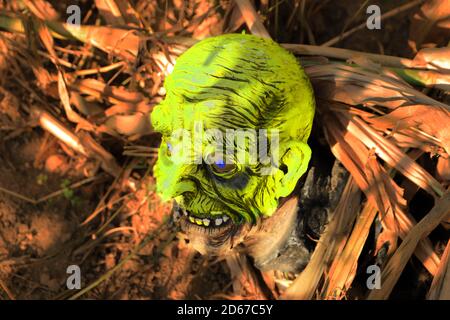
<point>39,241</point>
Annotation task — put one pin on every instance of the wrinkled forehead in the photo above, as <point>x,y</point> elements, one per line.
<point>226,82</point>
<point>236,82</point>
<point>222,103</point>
<point>212,114</point>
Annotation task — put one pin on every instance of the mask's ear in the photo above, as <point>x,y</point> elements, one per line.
<point>293,164</point>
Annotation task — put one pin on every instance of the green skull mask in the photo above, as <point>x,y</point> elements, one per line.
<point>235,122</point>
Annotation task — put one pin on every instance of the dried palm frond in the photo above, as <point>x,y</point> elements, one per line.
<point>440,288</point>
<point>371,115</point>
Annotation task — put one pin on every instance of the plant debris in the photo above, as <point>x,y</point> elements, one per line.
<point>77,148</point>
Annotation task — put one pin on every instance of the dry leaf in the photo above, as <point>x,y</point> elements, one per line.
<point>396,264</point>
<point>440,287</point>
<point>438,57</point>
<point>117,12</point>
<point>429,24</point>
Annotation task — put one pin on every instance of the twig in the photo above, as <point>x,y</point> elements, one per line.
<point>386,15</point>
<point>85,145</point>
<point>100,69</point>
<point>17,195</point>
<point>51,195</point>
<point>344,54</point>
<point>252,19</point>
<point>353,17</point>
<point>73,186</point>
<point>102,205</point>
<point>56,128</point>
<point>7,291</point>
<point>329,52</point>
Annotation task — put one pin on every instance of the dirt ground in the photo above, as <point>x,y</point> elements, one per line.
<point>52,216</point>
<point>39,241</point>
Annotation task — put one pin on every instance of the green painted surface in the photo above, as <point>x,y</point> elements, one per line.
<point>232,82</point>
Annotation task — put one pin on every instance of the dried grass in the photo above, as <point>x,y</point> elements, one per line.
<point>375,119</point>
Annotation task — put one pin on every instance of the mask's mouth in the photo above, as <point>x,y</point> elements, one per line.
<point>213,233</point>
<point>215,220</point>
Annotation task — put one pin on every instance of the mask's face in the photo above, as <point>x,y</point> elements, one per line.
<point>234,125</point>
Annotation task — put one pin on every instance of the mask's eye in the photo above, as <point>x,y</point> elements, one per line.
<point>222,168</point>
<point>169,149</point>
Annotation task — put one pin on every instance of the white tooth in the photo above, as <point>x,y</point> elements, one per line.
<point>218,221</point>
<point>191,219</point>
<point>206,222</point>
<point>198,221</point>
<point>185,212</point>
<point>225,218</point>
